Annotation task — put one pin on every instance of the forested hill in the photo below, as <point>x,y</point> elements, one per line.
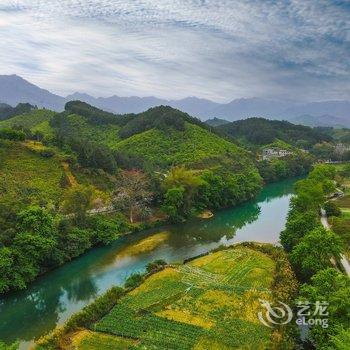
<point>6,111</point>
<point>260,131</point>
<point>161,117</point>
<point>158,138</point>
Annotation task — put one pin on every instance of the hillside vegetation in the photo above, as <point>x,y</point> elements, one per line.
<point>260,131</point>
<point>27,177</point>
<point>173,147</point>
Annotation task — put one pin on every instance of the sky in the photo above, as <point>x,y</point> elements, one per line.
<point>215,49</point>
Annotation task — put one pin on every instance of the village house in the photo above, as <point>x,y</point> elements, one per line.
<point>271,153</point>
<point>340,148</point>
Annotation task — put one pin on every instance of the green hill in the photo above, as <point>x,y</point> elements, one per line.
<point>172,147</point>
<point>35,120</point>
<point>216,122</point>
<point>160,137</point>
<point>77,126</point>
<point>260,131</point>
<point>7,111</point>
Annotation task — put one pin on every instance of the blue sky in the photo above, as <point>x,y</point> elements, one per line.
<point>221,50</point>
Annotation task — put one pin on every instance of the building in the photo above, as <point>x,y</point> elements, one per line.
<point>340,148</point>
<point>271,153</point>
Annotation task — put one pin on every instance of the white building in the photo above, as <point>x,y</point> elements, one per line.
<point>270,153</point>
<point>340,148</point>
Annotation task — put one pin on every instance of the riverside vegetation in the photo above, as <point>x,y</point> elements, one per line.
<point>315,253</point>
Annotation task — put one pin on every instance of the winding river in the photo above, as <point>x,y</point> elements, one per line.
<point>55,296</point>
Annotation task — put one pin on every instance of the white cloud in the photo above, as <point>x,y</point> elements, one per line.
<point>175,48</point>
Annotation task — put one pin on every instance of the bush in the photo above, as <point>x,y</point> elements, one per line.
<point>133,280</point>
<point>155,265</point>
<point>47,153</point>
<point>13,135</point>
<point>332,209</point>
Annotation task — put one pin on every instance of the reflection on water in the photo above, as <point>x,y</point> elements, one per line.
<point>54,297</point>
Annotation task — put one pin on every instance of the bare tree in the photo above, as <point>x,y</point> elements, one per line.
<point>132,194</point>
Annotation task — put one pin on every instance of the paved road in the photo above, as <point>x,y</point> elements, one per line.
<point>343,260</point>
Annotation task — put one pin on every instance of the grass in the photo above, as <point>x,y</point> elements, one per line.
<point>209,303</point>
<point>147,244</point>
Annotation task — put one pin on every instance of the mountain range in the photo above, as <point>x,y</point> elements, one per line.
<point>14,89</point>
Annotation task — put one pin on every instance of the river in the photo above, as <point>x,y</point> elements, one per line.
<point>51,299</point>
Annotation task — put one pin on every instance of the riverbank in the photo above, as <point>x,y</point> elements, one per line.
<point>69,288</point>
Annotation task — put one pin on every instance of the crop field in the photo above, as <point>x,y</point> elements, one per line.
<point>211,302</point>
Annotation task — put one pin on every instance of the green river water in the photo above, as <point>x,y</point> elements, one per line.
<point>51,299</point>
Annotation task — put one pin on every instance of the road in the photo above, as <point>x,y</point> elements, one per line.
<point>343,260</point>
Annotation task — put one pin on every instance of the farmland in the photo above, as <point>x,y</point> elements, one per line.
<point>210,302</point>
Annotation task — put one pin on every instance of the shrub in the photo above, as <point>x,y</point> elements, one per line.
<point>155,265</point>
<point>332,209</point>
<point>133,280</point>
<point>13,135</point>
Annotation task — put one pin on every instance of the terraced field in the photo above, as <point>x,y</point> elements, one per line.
<point>209,303</point>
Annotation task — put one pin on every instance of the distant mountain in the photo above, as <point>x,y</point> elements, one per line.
<point>14,89</point>
<point>323,120</point>
<point>120,105</point>
<point>216,122</point>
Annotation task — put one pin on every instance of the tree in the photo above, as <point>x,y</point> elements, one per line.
<point>341,340</point>
<point>309,196</point>
<point>332,209</point>
<point>298,225</point>
<point>173,204</point>
<point>6,269</point>
<point>133,280</point>
<point>37,220</point>
<point>182,183</point>
<point>155,265</point>
<point>315,251</point>
<point>333,287</point>
<point>324,150</point>
<point>13,135</point>
<point>132,193</point>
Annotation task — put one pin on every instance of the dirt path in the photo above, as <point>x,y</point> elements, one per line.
<point>343,260</point>
<point>71,179</point>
